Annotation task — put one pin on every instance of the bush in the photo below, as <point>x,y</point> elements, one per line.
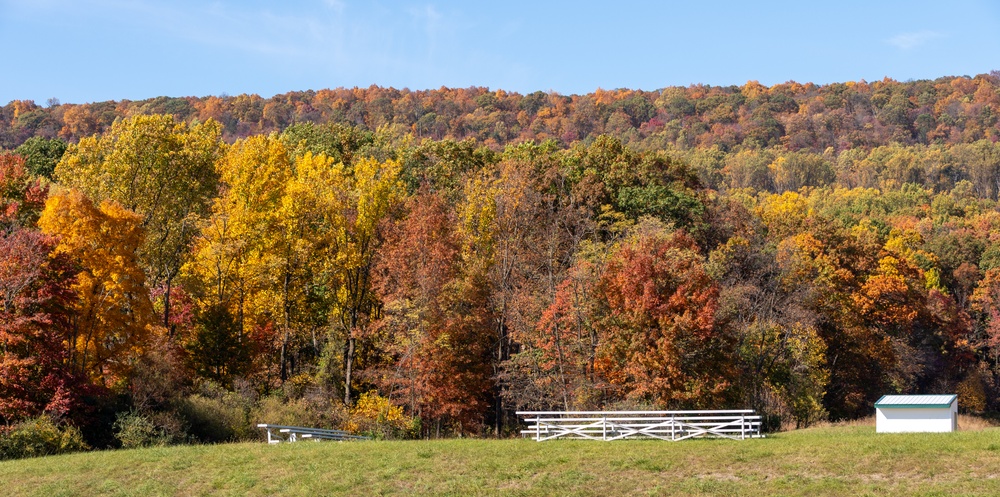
<point>40,436</point>
<point>315,413</point>
<point>375,416</point>
<point>216,414</point>
<point>134,429</point>
<point>972,393</point>
<point>217,419</point>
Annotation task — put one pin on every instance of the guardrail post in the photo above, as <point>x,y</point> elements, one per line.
<point>743,427</point>
<point>604,428</point>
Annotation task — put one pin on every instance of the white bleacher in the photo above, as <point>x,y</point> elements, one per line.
<point>281,433</point>
<point>738,424</point>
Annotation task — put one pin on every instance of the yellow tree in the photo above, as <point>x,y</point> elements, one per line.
<point>292,243</point>
<point>320,251</point>
<point>311,210</point>
<point>162,170</point>
<point>112,317</point>
<point>234,260</point>
<point>369,193</point>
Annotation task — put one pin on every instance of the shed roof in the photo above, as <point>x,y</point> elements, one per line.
<point>916,401</point>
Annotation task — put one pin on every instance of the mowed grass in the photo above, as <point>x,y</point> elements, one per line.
<point>833,460</point>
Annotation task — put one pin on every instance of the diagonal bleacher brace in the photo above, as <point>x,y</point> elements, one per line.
<point>662,425</point>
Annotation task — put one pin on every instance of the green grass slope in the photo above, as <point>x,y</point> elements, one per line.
<point>845,460</point>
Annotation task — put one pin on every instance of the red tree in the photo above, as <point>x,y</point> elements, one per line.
<point>21,196</point>
<point>35,297</point>
<point>660,342</point>
<point>434,319</point>
<point>555,366</point>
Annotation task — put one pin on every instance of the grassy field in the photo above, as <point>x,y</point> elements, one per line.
<point>833,460</point>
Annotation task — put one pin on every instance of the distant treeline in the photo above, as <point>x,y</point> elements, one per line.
<point>796,116</point>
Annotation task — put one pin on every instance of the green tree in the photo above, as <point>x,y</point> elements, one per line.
<point>162,170</point>
<point>41,155</point>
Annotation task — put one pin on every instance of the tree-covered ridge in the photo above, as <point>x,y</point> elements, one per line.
<point>797,116</point>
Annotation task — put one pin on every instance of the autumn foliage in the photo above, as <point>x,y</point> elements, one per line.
<point>660,340</point>
<point>111,321</point>
<point>455,255</point>
<point>36,297</point>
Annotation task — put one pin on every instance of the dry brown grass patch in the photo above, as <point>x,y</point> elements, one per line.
<point>968,422</point>
<point>868,421</point>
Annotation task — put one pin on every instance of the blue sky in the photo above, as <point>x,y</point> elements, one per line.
<point>93,50</point>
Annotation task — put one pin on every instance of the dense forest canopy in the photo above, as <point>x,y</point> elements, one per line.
<point>413,263</point>
<point>797,116</point>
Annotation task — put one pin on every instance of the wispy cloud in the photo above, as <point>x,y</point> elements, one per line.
<point>430,21</point>
<point>321,42</point>
<point>337,5</point>
<point>909,41</point>
<point>429,16</point>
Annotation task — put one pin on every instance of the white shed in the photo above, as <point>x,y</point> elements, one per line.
<point>912,413</point>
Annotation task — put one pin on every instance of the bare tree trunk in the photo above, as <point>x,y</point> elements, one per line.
<point>166,310</point>
<point>348,369</point>
<point>562,372</point>
<point>284,339</point>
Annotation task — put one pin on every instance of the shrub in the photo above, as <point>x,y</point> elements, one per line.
<point>972,393</point>
<point>315,412</point>
<point>377,417</point>
<point>215,414</point>
<point>217,419</point>
<point>40,436</point>
<point>134,429</point>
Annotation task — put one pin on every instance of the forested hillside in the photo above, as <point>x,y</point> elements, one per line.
<point>413,263</point>
<point>798,116</point>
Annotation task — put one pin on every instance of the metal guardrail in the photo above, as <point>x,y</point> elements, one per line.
<point>738,424</point>
<point>281,433</point>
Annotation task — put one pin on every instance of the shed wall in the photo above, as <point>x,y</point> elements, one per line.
<point>916,419</point>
